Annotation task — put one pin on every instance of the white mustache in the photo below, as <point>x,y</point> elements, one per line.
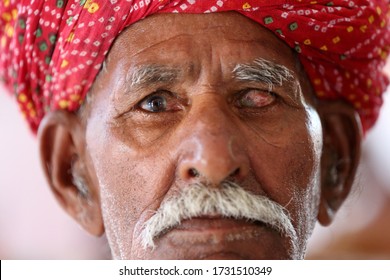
<point>229,201</point>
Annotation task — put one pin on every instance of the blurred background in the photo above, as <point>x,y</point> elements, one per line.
<point>33,226</point>
<point>361,229</point>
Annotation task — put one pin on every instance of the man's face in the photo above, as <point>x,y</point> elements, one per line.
<point>203,99</point>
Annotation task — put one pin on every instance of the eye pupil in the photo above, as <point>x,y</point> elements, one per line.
<point>156,104</point>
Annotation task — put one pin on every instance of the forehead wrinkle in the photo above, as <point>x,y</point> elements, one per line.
<point>149,75</point>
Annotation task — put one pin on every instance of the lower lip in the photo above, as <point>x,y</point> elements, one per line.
<point>213,231</point>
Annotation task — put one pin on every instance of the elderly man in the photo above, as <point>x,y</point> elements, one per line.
<point>206,130</point>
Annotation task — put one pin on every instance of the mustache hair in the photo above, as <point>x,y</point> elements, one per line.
<point>229,200</point>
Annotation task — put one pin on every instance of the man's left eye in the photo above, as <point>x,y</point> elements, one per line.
<point>256,98</point>
<point>159,102</point>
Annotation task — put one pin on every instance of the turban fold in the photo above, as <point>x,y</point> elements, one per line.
<point>51,51</point>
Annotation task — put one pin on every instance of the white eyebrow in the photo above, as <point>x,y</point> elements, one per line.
<point>263,71</point>
<point>152,74</point>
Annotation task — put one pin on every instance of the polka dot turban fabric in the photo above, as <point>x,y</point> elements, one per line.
<point>51,51</point>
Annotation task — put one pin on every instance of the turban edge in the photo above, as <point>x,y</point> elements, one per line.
<point>51,51</point>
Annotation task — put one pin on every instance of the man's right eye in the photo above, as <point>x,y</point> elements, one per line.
<point>161,101</point>
<point>154,104</point>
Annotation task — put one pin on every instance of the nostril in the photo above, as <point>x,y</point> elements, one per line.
<point>192,173</point>
<point>235,173</point>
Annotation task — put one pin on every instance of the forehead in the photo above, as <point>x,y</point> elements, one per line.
<point>168,36</point>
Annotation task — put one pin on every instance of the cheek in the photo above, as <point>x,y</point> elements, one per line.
<point>309,198</point>
<point>289,170</point>
<point>285,171</point>
<point>304,177</point>
<point>287,161</point>
<point>131,185</point>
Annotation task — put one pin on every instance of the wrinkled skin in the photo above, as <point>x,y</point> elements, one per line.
<point>133,158</point>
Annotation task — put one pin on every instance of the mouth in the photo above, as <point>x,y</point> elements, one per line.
<point>215,230</point>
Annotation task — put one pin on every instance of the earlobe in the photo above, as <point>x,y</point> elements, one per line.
<point>62,144</point>
<point>342,136</point>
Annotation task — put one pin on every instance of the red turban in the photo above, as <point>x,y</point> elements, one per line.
<point>51,51</point>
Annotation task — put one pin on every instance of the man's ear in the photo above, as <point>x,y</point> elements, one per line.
<point>62,150</point>
<point>342,135</point>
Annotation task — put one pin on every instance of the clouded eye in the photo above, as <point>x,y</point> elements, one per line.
<point>255,98</point>
<point>160,101</point>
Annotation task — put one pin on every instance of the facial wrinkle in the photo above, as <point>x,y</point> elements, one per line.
<point>147,47</point>
<point>296,97</point>
<point>262,134</point>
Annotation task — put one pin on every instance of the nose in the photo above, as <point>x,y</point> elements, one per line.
<point>213,149</point>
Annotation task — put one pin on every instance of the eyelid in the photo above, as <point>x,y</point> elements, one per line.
<point>159,92</point>
<point>244,92</point>
<point>162,92</point>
